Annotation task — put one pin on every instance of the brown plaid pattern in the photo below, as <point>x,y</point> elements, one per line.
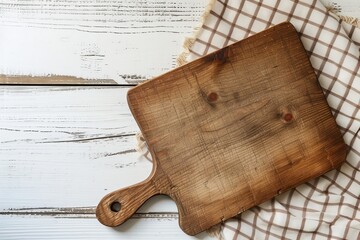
<point>353,32</point>
<point>326,207</point>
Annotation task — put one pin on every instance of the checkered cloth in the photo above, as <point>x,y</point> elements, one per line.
<point>327,207</point>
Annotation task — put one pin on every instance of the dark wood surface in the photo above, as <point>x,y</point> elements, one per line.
<point>231,130</point>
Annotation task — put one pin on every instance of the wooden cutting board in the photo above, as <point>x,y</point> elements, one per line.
<point>230,131</point>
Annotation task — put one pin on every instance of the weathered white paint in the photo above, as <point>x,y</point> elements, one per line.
<point>20,227</point>
<point>122,40</point>
<point>63,148</point>
<point>126,41</point>
<point>66,146</point>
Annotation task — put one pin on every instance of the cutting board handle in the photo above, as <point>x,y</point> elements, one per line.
<point>116,207</point>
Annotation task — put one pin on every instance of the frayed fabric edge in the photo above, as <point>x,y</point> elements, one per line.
<point>141,146</point>
<point>216,231</point>
<point>334,10</point>
<point>350,20</point>
<point>189,41</point>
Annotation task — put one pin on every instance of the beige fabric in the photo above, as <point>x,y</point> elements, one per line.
<point>326,207</point>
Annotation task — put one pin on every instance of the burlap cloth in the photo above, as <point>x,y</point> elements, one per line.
<point>326,207</point>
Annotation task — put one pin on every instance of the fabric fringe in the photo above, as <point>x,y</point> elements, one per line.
<point>335,10</point>
<point>189,41</point>
<point>351,20</point>
<point>141,146</point>
<point>140,142</point>
<point>216,231</point>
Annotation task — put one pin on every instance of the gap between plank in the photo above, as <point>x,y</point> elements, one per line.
<point>77,212</point>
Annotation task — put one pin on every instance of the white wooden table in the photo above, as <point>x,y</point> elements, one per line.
<point>64,147</point>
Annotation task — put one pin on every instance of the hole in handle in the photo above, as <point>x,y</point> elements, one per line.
<point>115,206</point>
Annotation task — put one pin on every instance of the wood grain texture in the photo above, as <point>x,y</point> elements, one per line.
<point>232,130</point>
<point>123,41</point>
<point>17,179</point>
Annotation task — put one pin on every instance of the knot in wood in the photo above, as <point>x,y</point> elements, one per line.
<point>212,97</point>
<point>287,114</point>
<point>288,117</point>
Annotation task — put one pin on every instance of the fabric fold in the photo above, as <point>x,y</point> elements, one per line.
<point>326,207</point>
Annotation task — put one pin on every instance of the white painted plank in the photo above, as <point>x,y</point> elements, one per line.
<point>126,41</point>
<point>121,40</point>
<point>67,147</point>
<point>19,227</point>
<point>68,111</point>
<point>62,149</point>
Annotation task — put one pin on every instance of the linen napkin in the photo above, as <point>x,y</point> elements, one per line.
<point>326,207</point>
